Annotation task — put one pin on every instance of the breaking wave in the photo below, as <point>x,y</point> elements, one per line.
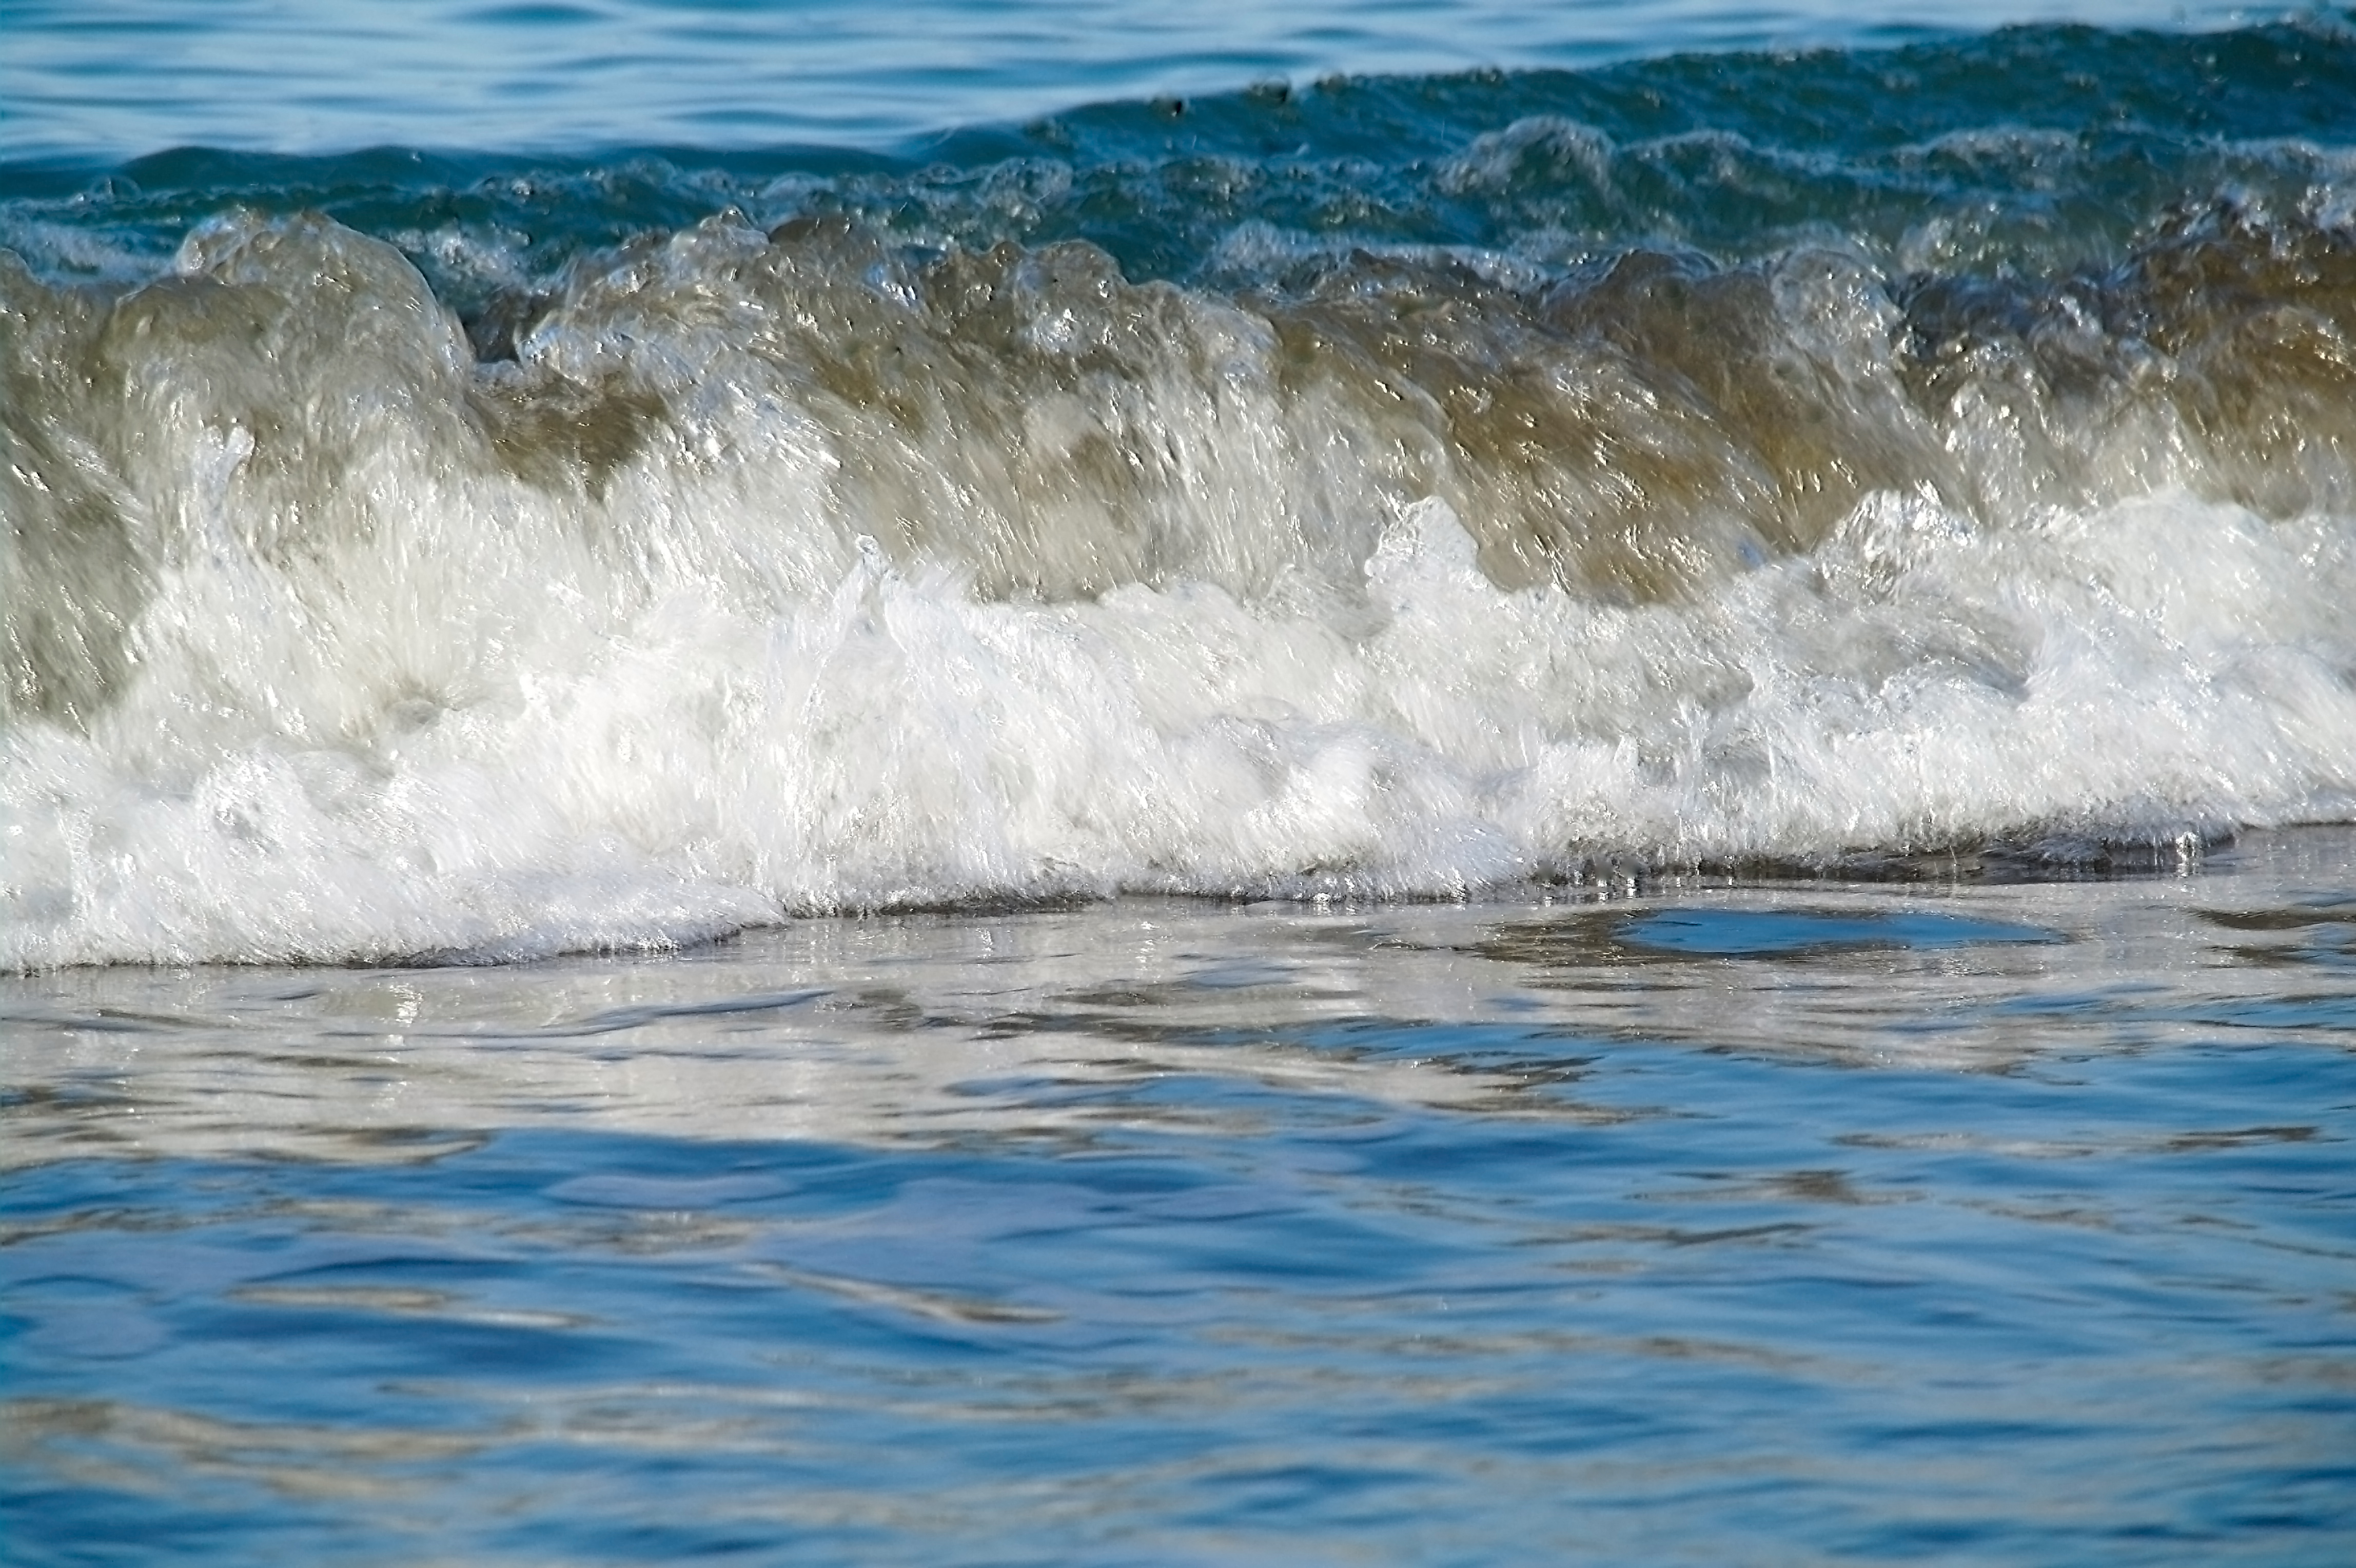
<point>725,574</point>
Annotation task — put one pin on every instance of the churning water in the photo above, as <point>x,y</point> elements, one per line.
<point>1224,793</point>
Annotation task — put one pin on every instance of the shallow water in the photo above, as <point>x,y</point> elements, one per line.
<point>1787,1223</point>
<point>1146,790</point>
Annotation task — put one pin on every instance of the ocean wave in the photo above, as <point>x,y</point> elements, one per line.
<point>626,594</point>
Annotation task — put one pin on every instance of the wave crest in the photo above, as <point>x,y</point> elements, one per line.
<point>730,574</point>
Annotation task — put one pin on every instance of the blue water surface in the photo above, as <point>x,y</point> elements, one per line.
<point>2021,1229</point>
<point>1674,1222</point>
<point>141,76</point>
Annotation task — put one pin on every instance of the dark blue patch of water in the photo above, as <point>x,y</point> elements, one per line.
<point>1785,933</point>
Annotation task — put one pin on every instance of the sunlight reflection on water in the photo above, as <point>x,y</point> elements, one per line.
<point>2018,1226</point>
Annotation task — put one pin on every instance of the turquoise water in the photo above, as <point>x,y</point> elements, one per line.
<point>981,784</point>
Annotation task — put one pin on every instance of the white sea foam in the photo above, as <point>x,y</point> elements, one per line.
<point>418,704</point>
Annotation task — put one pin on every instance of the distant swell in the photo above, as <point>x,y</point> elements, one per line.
<point>727,574</point>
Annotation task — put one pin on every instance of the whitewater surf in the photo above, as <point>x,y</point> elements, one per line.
<point>415,555</point>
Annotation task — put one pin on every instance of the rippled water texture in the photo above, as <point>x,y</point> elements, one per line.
<point>138,77</point>
<point>2000,1223</point>
<point>995,800</point>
